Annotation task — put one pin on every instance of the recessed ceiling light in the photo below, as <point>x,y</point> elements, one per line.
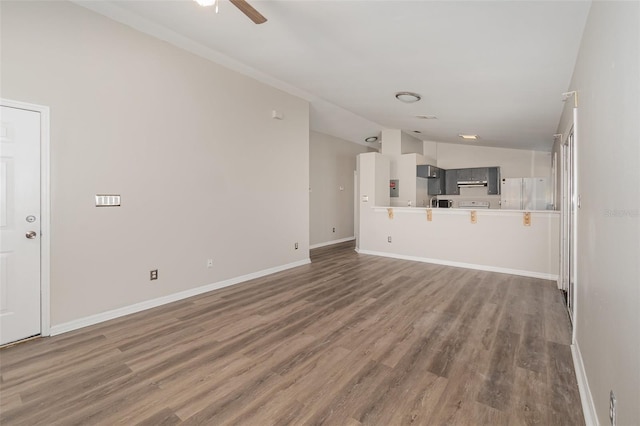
<point>408,97</point>
<point>427,117</point>
<point>371,139</point>
<point>469,137</point>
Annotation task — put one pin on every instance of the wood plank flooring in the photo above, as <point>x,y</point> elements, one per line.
<point>347,340</point>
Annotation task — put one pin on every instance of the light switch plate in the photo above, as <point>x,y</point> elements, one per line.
<point>107,200</point>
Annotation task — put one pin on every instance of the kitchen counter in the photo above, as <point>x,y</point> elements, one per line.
<point>499,240</point>
<point>457,209</point>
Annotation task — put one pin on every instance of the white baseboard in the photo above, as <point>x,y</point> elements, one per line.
<point>531,274</point>
<point>330,243</point>
<point>588,407</point>
<point>148,304</point>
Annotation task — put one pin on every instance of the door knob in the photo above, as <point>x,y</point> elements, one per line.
<point>31,235</point>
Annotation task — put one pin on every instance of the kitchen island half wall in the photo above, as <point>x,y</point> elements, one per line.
<point>498,241</point>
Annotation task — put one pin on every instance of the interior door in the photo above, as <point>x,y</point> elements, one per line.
<point>19,224</point>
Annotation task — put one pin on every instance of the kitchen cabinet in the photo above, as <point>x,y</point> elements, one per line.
<point>489,175</point>
<point>435,178</point>
<point>479,174</point>
<point>436,186</point>
<point>493,180</point>
<point>451,182</point>
<point>476,174</point>
<point>463,175</point>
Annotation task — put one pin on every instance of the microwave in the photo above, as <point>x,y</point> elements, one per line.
<point>442,204</point>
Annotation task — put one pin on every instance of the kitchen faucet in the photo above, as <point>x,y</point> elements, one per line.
<point>431,201</point>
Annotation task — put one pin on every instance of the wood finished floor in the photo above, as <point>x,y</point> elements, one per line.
<point>347,340</point>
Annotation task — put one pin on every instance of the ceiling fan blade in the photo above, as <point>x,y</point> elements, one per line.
<point>248,10</point>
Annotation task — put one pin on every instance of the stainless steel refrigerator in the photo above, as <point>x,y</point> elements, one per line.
<point>525,194</point>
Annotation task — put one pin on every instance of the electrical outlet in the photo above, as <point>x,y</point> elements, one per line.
<point>209,263</point>
<point>334,229</point>
<point>389,239</point>
<point>153,275</point>
<point>296,246</point>
<point>612,408</point>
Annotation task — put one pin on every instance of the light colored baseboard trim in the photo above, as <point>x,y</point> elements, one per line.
<point>531,274</point>
<point>330,243</point>
<point>148,304</point>
<point>588,407</point>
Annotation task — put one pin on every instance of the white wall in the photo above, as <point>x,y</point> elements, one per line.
<point>332,162</point>
<point>607,79</point>
<point>410,144</point>
<point>203,169</point>
<point>413,191</point>
<point>373,170</point>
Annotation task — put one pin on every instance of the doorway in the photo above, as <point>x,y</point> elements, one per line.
<point>24,221</point>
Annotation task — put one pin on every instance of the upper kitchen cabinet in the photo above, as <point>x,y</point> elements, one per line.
<point>473,177</point>
<point>479,174</point>
<point>436,186</point>
<point>493,180</point>
<point>434,177</point>
<point>451,182</point>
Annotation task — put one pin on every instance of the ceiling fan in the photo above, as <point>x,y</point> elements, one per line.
<point>244,7</point>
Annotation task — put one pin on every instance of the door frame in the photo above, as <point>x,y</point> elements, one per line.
<point>45,210</point>
<point>570,205</point>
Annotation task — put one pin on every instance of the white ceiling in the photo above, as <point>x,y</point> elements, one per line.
<point>493,68</point>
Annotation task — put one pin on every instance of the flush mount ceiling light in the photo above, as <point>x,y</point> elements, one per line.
<point>371,139</point>
<point>427,117</point>
<point>469,137</point>
<point>206,3</point>
<point>408,97</point>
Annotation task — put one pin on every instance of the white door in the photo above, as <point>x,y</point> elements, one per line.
<point>20,224</point>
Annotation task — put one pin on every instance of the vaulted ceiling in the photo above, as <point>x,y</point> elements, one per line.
<point>492,68</point>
